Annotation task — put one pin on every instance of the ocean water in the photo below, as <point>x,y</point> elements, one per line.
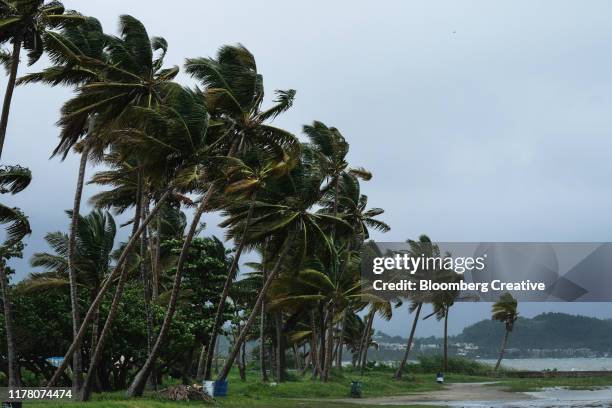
<point>561,364</point>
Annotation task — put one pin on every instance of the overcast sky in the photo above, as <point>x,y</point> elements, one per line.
<point>481,121</point>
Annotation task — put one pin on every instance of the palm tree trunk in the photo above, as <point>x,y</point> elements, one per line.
<point>330,343</point>
<point>314,355</point>
<point>119,269</point>
<point>77,359</point>
<point>502,350</point>
<point>264,290</point>
<point>280,347</point>
<point>8,94</point>
<point>262,344</point>
<point>155,258</point>
<point>144,273</point>
<point>13,367</point>
<point>201,362</point>
<point>400,369</point>
<point>341,339</point>
<point>364,358</point>
<point>446,340</point>
<point>226,288</point>
<point>137,387</point>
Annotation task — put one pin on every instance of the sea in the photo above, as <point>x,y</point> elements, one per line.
<point>560,364</point>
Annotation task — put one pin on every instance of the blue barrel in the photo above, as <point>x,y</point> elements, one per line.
<point>220,388</point>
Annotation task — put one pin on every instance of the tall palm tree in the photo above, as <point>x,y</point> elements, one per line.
<point>13,179</point>
<point>186,130</point>
<point>68,49</point>
<point>442,301</point>
<point>348,200</point>
<point>423,246</point>
<point>505,311</point>
<point>234,92</point>
<point>245,177</point>
<point>134,82</point>
<point>23,23</point>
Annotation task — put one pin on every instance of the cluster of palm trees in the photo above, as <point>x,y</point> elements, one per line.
<point>163,147</point>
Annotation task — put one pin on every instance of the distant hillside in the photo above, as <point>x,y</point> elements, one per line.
<point>546,335</point>
<point>548,331</point>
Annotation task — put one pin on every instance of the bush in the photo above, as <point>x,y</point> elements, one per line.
<point>457,365</point>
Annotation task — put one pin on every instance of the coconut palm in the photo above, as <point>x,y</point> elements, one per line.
<point>245,178</point>
<point>13,179</point>
<point>68,49</point>
<point>505,311</point>
<point>23,23</point>
<point>417,248</point>
<point>171,142</point>
<point>385,310</point>
<point>234,92</point>
<point>133,77</point>
<point>331,149</point>
<point>349,201</point>
<point>442,301</point>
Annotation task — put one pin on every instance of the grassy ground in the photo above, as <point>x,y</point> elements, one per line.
<point>293,393</point>
<point>297,390</point>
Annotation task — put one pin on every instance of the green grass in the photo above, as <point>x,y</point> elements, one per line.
<point>306,393</point>
<point>293,393</point>
<point>535,384</point>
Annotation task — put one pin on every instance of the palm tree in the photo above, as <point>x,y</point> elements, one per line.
<point>442,301</point>
<point>133,84</point>
<point>505,311</point>
<point>179,126</point>
<point>68,49</point>
<point>234,92</point>
<point>23,23</point>
<point>245,177</point>
<point>13,179</point>
<point>348,200</point>
<point>385,311</point>
<point>417,249</point>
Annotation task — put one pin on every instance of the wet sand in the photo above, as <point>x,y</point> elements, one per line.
<point>481,395</point>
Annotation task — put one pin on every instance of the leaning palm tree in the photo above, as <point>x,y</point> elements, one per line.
<point>69,51</point>
<point>504,310</point>
<point>442,301</point>
<point>23,23</point>
<point>133,82</point>
<point>234,93</point>
<point>13,179</point>
<point>423,246</point>
<point>245,177</point>
<point>348,201</point>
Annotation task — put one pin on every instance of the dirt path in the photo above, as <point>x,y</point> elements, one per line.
<point>450,393</point>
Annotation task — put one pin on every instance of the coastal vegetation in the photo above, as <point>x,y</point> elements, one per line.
<point>117,319</point>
